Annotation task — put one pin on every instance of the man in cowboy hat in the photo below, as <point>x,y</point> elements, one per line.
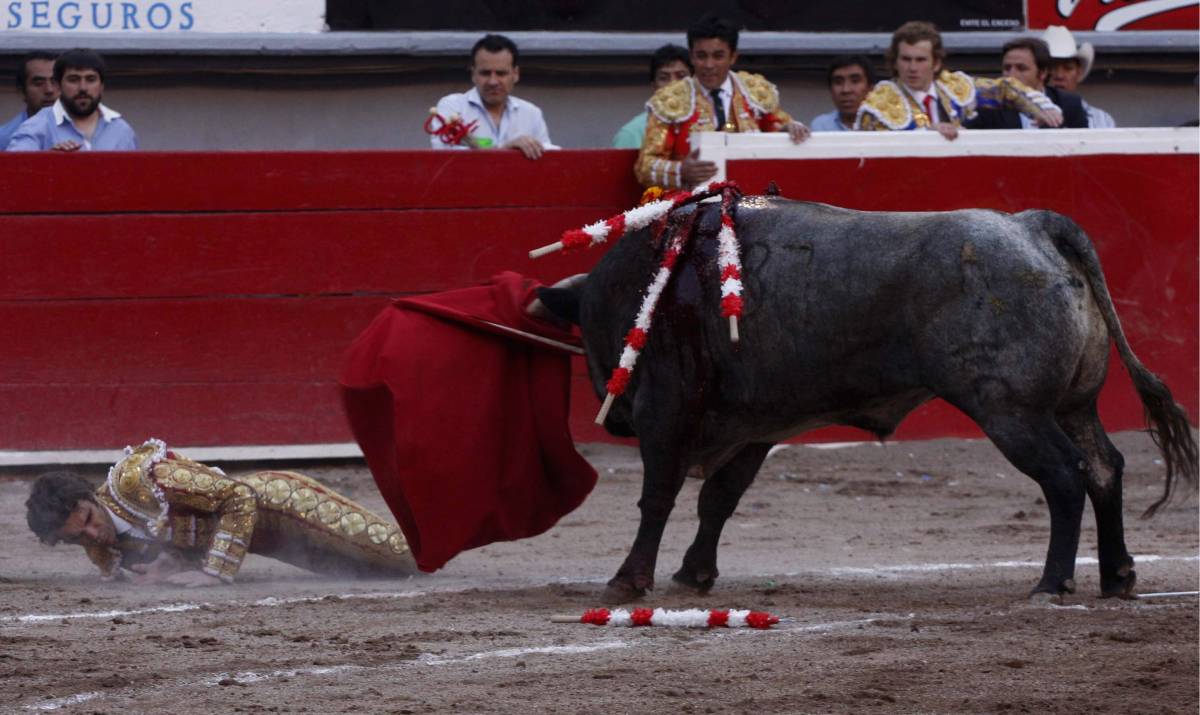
<point>1069,66</point>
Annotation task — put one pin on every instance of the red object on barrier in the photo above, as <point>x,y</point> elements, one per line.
<point>207,298</point>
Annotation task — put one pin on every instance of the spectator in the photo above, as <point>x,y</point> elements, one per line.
<point>1027,60</point>
<point>501,120</point>
<point>669,63</point>
<point>850,80</point>
<point>925,95</point>
<point>713,99</point>
<point>78,120</point>
<point>1069,66</point>
<point>36,85</point>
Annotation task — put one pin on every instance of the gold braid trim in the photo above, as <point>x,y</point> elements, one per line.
<point>761,94</point>
<point>673,103</point>
<point>885,108</point>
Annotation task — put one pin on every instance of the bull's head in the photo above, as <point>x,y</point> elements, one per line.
<point>560,302</point>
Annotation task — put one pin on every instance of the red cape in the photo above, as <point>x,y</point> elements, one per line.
<point>464,425</point>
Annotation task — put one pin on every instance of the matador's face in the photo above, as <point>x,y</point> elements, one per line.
<point>88,525</point>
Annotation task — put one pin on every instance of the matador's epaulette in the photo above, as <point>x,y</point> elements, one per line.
<point>762,95</point>
<point>959,86</point>
<point>675,102</point>
<point>888,105</point>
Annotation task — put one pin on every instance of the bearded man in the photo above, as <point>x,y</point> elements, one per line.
<point>160,517</point>
<point>78,121</point>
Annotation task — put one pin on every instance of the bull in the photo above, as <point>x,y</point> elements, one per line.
<point>856,318</point>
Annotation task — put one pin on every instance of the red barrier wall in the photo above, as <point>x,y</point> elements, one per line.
<point>206,298</point>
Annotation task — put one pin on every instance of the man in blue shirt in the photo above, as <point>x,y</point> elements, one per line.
<point>851,78</point>
<point>500,119</point>
<point>36,85</point>
<point>668,64</point>
<point>78,120</point>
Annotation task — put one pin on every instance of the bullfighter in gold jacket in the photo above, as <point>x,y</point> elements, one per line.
<point>924,95</point>
<point>714,99</point>
<point>160,516</point>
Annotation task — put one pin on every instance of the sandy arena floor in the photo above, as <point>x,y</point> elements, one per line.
<point>903,570</point>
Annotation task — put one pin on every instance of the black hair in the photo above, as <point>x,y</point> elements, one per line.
<point>710,26</point>
<point>1036,46</point>
<point>850,61</point>
<point>52,498</point>
<point>79,59</point>
<point>667,54</point>
<point>23,70</point>
<point>496,43</point>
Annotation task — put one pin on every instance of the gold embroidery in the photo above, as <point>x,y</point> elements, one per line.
<point>675,102</point>
<point>762,94</point>
<point>888,105</point>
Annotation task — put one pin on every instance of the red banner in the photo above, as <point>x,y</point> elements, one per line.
<point>1106,15</point>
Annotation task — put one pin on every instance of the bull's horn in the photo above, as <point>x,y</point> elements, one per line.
<point>538,309</point>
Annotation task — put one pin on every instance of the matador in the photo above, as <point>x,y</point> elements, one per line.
<point>682,109</point>
<point>159,516</point>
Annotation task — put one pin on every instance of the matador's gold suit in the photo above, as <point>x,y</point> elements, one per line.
<point>683,107</point>
<point>211,520</point>
<point>891,107</point>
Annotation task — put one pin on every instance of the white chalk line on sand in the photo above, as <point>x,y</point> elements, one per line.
<point>57,703</point>
<point>248,677</point>
<point>933,568</point>
<point>268,602</point>
<point>271,601</point>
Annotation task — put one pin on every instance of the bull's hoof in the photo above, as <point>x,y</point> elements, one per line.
<point>1050,593</point>
<point>699,581</point>
<point>620,590</point>
<point>1044,598</point>
<point>1120,586</point>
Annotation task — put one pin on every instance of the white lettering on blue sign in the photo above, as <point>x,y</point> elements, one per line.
<point>99,15</point>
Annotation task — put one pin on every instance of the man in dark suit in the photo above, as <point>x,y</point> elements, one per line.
<point>1027,59</point>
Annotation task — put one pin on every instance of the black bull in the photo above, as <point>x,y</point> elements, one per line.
<point>856,318</point>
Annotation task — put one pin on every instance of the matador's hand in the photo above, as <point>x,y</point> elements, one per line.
<point>798,132</point>
<point>947,129</point>
<point>157,570</point>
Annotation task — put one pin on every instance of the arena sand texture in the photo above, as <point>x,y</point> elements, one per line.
<point>902,569</point>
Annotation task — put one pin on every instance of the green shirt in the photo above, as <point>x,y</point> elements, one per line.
<point>630,135</point>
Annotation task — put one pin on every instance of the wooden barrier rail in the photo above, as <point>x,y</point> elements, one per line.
<point>206,299</point>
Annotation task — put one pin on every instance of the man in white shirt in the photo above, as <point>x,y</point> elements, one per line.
<point>495,117</point>
<point>1069,66</point>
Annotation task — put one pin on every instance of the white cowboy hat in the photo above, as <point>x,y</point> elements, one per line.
<point>1062,47</point>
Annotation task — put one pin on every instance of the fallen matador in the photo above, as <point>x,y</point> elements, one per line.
<point>161,517</point>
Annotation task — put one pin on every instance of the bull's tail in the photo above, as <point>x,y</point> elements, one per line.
<point>1167,420</point>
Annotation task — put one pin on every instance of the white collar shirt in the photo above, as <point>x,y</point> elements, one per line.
<point>520,118</point>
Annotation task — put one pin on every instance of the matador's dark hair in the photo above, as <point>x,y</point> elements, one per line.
<point>52,498</point>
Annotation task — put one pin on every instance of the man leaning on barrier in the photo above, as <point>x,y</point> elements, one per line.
<point>79,120</point>
<point>924,95</point>
<point>713,99</point>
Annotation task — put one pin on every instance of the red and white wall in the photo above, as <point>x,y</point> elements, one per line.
<point>206,298</point>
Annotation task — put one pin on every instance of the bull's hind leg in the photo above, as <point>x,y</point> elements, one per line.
<point>1103,483</point>
<point>718,498</point>
<point>1037,446</point>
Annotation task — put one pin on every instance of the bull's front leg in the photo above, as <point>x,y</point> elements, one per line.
<point>665,467</point>
<point>719,498</point>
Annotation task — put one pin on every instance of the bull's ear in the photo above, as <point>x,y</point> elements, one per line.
<point>562,303</point>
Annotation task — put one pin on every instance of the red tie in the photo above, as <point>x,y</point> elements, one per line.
<point>929,109</point>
